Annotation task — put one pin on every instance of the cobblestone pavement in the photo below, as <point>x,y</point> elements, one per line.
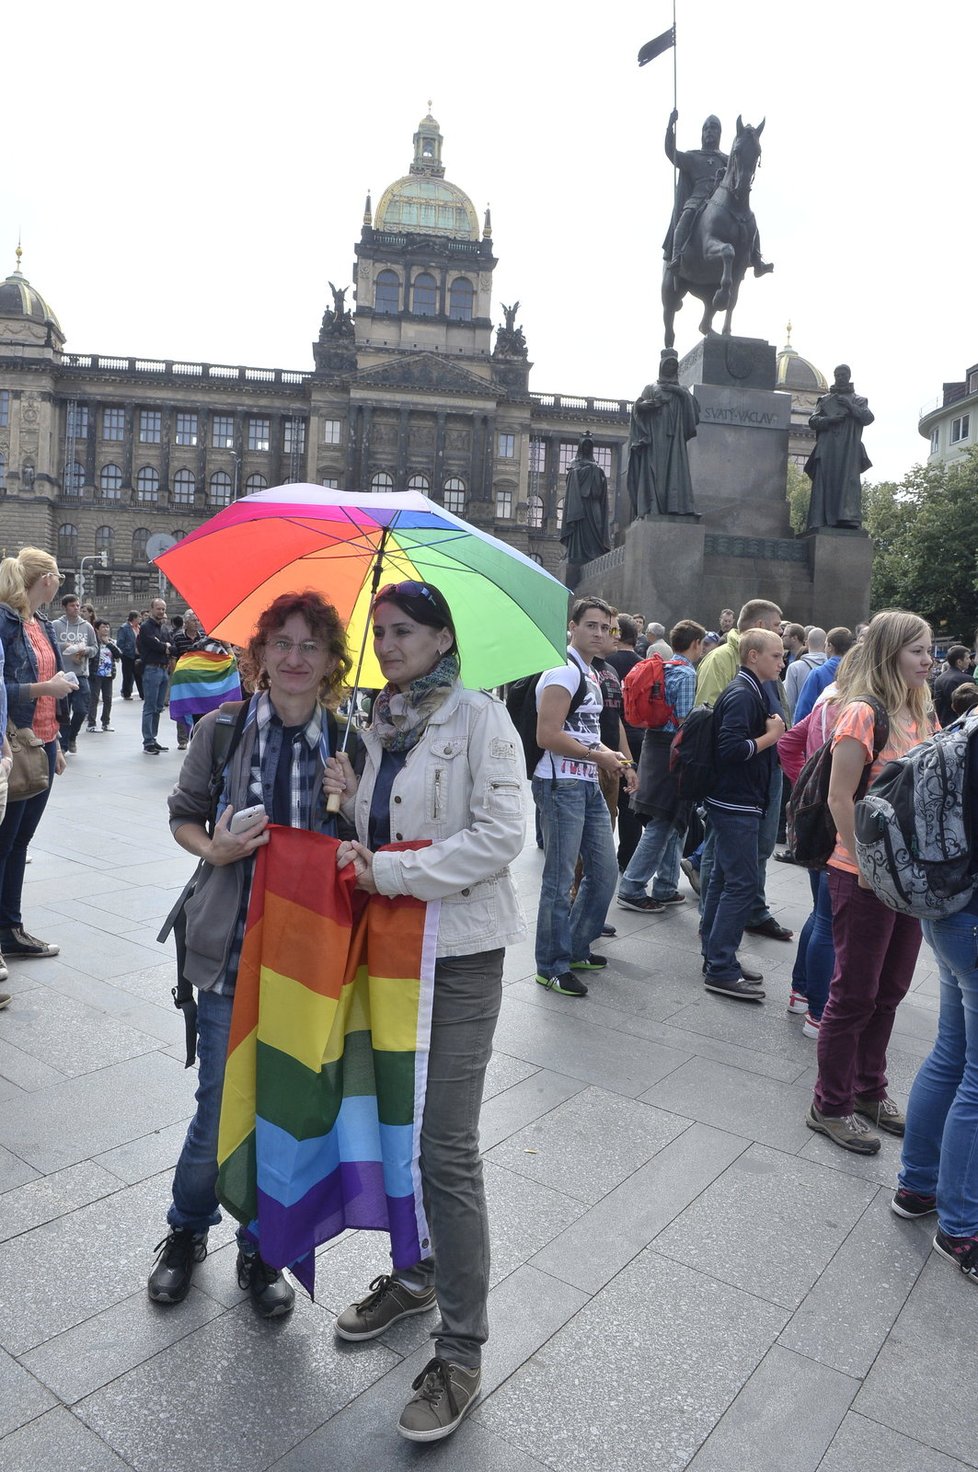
<point>683,1275</point>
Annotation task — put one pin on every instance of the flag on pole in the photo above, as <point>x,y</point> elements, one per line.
<point>655,48</point>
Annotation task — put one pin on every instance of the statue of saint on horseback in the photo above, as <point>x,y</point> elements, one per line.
<point>712,237</point>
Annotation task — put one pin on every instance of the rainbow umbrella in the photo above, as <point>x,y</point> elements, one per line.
<point>510,615</point>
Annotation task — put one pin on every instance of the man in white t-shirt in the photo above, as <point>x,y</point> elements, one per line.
<point>574,817</point>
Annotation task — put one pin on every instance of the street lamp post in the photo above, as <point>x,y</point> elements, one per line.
<point>101,557</point>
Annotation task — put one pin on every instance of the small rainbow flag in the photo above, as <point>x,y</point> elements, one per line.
<point>202,680</point>
<point>327,1059</point>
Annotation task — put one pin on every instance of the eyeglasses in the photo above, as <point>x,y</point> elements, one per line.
<point>408,589</point>
<point>308,648</point>
<point>59,575</point>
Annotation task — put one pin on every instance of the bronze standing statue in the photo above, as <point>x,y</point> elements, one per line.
<point>585,529</point>
<point>663,419</point>
<point>838,459</point>
<point>713,235</point>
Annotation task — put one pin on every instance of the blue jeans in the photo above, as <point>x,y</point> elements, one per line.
<point>940,1148</point>
<point>659,850</point>
<point>767,834</point>
<point>155,681</point>
<point>16,831</point>
<point>733,888</point>
<point>77,707</point>
<point>195,1206</point>
<point>575,821</point>
<point>815,959</point>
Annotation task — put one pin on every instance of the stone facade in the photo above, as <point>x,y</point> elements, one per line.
<point>408,389</point>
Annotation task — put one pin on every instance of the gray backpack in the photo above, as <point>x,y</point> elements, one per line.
<point>913,827</point>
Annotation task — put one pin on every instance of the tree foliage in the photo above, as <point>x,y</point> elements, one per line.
<point>925,544</point>
<point>799,490</point>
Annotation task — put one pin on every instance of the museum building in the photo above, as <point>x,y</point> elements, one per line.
<point>410,388</point>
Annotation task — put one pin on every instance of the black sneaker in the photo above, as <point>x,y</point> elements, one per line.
<point>738,988</point>
<point>151,750</point>
<point>911,1204</point>
<point>272,1294</point>
<point>91,730</point>
<point>961,1250</point>
<point>177,1256</point>
<point>445,1393</point>
<point>17,942</point>
<point>591,962</point>
<point>644,903</point>
<point>565,982</point>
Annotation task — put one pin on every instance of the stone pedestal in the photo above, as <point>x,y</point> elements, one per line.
<point>841,563</point>
<point>658,570</point>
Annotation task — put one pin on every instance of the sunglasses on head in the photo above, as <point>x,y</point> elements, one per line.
<point>408,589</point>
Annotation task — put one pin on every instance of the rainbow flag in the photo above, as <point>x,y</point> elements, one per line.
<point>202,680</point>
<point>327,1059</point>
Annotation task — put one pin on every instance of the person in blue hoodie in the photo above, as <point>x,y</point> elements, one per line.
<point>746,733</point>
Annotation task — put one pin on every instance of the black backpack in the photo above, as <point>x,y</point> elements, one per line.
<point>521,702</point>
<point>693,755</point>
<point>811,827</point>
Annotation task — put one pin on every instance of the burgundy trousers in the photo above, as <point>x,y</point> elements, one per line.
<point>875,955</point>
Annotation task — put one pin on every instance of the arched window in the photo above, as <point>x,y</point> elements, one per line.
<point>387,294</point>
<point>504,504</point>
<point>184,488</point>
<point>381,481</point>
<point>103,543</point>
<point>147,484</point>
<point>219,490</point>
<point>460,298</point>
<point>255,483</point>
<point>74,479</point>
<point>419,483</point>
<point>454,495</point>
<point>178,534</point>
<point>560,513</point>
<point>424,299</point>
<point>139,539</point>
<point>534,511</point>
<point>67,545</point>
<point>110,482</point>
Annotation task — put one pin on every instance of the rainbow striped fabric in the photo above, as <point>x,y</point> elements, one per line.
<point>327,1060</point>
<point>202,679</point>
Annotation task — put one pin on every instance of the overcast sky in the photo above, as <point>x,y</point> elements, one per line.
<point>188,178</point>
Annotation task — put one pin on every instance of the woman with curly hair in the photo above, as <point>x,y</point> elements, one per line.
<point>297,662</point>
<point>882,678</point>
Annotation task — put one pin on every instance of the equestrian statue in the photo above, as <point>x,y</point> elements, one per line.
<point>712,237</point>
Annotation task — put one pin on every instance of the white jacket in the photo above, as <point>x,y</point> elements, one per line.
<point>463,788</point>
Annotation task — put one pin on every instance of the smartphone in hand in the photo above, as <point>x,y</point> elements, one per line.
<point>247,818</point>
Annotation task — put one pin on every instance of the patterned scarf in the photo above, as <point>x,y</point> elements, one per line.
<point>399,720</point>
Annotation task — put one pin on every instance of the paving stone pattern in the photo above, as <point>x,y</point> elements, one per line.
<point>683,1274</point>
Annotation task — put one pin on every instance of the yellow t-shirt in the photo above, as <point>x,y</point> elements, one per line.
<point>857,721</point>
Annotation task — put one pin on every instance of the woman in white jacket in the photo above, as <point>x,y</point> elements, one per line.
<point>445,764</point>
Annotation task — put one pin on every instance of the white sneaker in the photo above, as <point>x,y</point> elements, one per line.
<point>809,1028</point>
<point>797,1003</point>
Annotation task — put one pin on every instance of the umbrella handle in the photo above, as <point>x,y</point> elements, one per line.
<point>333,803</point>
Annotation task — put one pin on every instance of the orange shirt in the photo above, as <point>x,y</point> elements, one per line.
<point>45,722</point>
<point>857,722</point>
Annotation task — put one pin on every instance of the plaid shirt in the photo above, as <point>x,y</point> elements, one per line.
<point>680,689</point>
<point>307,802</point>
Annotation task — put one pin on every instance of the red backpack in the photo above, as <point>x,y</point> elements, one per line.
<point>644,689</point>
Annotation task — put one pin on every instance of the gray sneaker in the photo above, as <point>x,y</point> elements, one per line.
<point>386,1303</point>
<point>847,1130</point>
<point>883,1113</point>
<point>445,1393</point>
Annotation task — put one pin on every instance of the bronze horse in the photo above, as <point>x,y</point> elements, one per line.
<point>722,242</point>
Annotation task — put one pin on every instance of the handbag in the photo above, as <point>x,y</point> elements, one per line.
<point>29,773</point>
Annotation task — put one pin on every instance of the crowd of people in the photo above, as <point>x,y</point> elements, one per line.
<point>430,803</point>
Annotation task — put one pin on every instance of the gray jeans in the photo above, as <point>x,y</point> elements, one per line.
<point>467,997</point>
